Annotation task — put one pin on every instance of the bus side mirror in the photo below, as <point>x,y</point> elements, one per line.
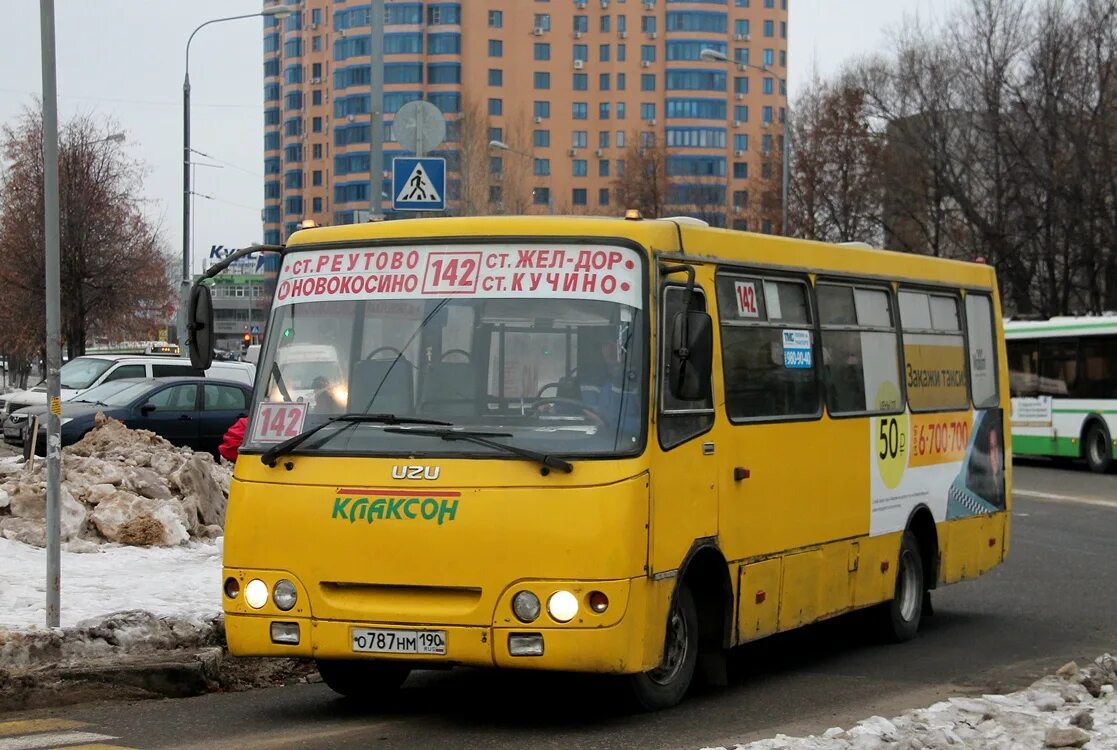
<point>199,326</point>
<point>692,355</point>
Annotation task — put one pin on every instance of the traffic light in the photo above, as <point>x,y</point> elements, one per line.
<point>247,339</point>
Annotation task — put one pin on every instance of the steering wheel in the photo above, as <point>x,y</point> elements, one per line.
<point>554,385</point>
<point>390,349</point>
<point>593,413</point>
<point>448,352</point>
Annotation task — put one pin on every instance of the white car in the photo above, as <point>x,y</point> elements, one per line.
<point>82,373</point>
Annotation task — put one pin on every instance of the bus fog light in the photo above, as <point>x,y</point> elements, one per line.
<point>562,606</point>
<point>525,644</point>
<point>598,601</point>
<point>285,632</point>
<point>256,593</point>
<point>526,606</point>
<point>232,587</point>
<point>284,594</point>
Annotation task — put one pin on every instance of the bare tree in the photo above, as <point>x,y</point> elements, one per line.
<point>473,131</point>
<point>642,182</point>
<point>114,266</point>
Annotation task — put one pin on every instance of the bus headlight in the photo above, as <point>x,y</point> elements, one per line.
<point>562,606</point>
<point>526,607</point>
<point>284,594</point>
<point>256,593</point>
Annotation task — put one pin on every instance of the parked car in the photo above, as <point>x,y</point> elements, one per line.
<point>83,373</point>
<point>193,412</point>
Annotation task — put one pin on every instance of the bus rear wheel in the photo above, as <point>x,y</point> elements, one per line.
<point>666,685</point>
<point>899,618</point>
<point>1099,452</point>
<point>362,679</point>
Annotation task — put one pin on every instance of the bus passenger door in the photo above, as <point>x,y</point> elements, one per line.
<point>684,478</point>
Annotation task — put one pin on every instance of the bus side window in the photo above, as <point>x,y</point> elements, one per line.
<point>679,421</point>
<point>982,350</point>
<point>862,366</point>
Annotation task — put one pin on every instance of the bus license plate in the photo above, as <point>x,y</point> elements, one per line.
<point>399,641</point>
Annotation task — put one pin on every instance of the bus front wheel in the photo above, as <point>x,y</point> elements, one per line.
<point>899,618</point>
<point>362,679</point>
<point>666,685</point>
<point>1099,452</point>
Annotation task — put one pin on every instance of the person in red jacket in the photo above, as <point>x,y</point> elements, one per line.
<point>234,436</point>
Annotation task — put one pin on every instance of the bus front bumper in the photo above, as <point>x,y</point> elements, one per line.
<point>614,649</point>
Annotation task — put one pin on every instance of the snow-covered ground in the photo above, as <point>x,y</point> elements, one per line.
<point>183,582</point>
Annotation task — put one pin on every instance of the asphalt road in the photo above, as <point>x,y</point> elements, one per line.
<point>1053,601</point>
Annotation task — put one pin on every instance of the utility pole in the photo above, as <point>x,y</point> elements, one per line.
<point>53,294</point>
<point>376,110</point>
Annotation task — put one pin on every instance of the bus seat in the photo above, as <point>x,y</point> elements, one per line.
<point>450,389</point>
<point>382,386</point>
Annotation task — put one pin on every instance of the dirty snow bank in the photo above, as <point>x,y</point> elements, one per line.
<point>1074,708</point>
<point>118,485</point>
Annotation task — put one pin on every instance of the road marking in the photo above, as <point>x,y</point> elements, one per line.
<point>52,739</point>
<point>29,726</point>
<point>1052,497</point>
<point>96,746</point>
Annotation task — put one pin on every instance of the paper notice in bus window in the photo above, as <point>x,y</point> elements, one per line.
<point>745,292</point>
<point>276,421</point>
<point>772,301</point>
<point>936,376</point>
<point>797,349</point>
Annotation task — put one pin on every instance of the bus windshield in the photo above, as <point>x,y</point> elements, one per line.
<point>508,357</point>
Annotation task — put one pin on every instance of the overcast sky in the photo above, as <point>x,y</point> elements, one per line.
<point>125,59</point>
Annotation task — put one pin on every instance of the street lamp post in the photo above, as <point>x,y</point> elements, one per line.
<point>277,11</point>
<point>502,146</point>
<point>712,55</point>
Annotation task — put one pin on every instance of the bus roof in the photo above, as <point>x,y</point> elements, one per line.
<point>1060,327</point>
<point>671,236</point>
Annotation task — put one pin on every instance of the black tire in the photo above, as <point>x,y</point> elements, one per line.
<point>899,618</point>
<point>668,683</point>
<point>362,679</point>
<point>1098,449</point>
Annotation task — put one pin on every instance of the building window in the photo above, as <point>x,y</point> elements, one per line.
<point>316,151</point>
<point>542,51</point>
<point>316,97</point>
<point>542,80</point>
<point>603,111</point>
<point>581,24</point>
<point>541,196</point>
<point>316,178</point>
<point>541,167</point>
<point>496,107</point>
<point>495,194</point>
<point>580,110</point>
<point>603,82</point>
<point>603,196</point>
<point>578,168</point>
<point>496,48</point>
<point>541,139</point>
<point>496,19</point>
<point>542,21</point>
<point>496,77</point>
<point>647,111</point>
<point>647,81</point>
<point>647,53</point>
<point>581,82</point>
<point>603,168</point>
<point>496,165</point>
<point>541,110</point>
<point>579,139</point>
<point>316,205</point>
<point>740,170</point>
<point>578,197</point>
<point>621,80</point>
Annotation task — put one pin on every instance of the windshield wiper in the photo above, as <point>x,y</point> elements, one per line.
<point>482,438</point>
<point>271,455</point>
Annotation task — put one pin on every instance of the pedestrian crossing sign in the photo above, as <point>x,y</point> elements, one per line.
<point>418,184</point>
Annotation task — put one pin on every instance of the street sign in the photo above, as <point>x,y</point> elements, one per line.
<point>419,126</point>
<point>255,329</point>
<point>418,184</point>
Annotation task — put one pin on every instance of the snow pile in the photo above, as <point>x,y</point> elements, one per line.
<point>1074,708</point>
<point>118,485</point>
<point>179,582</point>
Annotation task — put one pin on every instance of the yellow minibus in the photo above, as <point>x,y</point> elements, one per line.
<point>601,445</point>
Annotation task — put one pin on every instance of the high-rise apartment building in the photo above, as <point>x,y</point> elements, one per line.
<point>564,85</point>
